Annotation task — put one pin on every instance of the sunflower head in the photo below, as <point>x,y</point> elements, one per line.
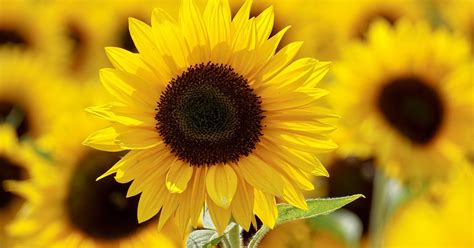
<point>409,107</point>
<point>213,115</point>
<point>30,94</point>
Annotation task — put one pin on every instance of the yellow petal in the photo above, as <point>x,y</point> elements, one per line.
<point>280,60</point>
<point>151,199</point>
<point>109,112</point>
<point>130,89</point>
<point>265,208</point>
<point>242,204</point>
<point>198,193</point>
<point>137,138</point>
<point>178,176</point>
<point>220,216</point>
<point>129,62</point>
<point>261,175</point>
<point>170,41</point>
<point>217,19</point>
<point>264,23</point>
<point>146,167</point>
<point>169,207</point>
<point>104,139</point>
<point>242,16</point>
<point>221,184</point>
<point>194,30</point>
<point>293,196</point>
<point>142,36</point>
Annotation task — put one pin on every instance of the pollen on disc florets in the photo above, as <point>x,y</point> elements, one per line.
<point>209,115</point>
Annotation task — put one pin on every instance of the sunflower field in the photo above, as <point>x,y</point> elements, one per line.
<point>236,123</point>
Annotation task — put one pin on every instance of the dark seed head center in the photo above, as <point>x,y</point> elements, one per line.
<point>13,36</point>
<point>100,209</point>
<point>209,115</point>
<point>413,108</point>
<point>79,42</point>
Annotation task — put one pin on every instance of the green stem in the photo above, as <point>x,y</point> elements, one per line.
<point>378,210</point>
<point>257,238</point>
<point>234,237</point>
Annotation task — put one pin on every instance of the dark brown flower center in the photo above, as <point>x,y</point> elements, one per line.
<point>413,108</point>
<point>209,115</point>
<point>16,116</point>
<point>79,45</point>
<point>100,209</point>
<point>9,171</point>
<point>12,36</point>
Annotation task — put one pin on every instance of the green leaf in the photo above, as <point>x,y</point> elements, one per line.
<point>316,207</point>
<point>202,238</point>
<point>208,238</point>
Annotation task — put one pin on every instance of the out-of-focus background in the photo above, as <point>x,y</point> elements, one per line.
<point>50,54</point>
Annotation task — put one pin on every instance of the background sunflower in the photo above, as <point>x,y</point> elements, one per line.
<point>30,95</point>
<point>412,106</point>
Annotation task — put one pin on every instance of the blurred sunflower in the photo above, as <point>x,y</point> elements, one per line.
<point>25,27</point>
<point>348,25</point>
<point>442,218</point>
<point>29,94</point>
<point>86,36</point>
<point>212,115</point>
<point>14,161</point>
<point>413,107</point>
<point>65,205</point>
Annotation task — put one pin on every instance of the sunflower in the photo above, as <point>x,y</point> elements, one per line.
<point>25,26</point>
<point>15,159</point>
<point>444,216</point>
<point>213,115</point>
<point>86,37</point>
<point>348,25</point>
<point>29,94</point>
<point>414,108</point>
<point>65,205</point>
